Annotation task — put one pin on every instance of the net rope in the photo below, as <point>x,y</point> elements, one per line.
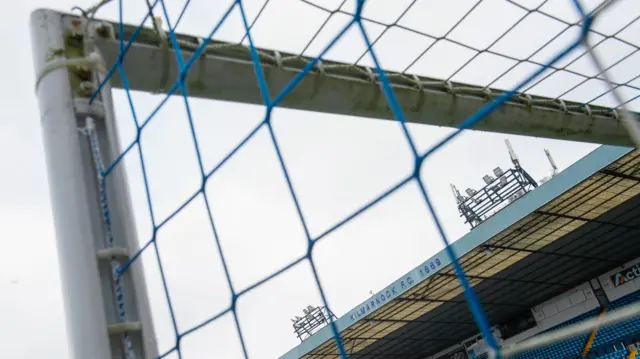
<point>518,92</point>
<point>90,131</point>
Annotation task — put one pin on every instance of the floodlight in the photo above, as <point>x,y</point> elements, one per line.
<point>498,191</point>
<point>314,319</point>
<point>488,179</point>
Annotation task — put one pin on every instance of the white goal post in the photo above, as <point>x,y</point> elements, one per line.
<point>88,289</point>
<point>225,72</point>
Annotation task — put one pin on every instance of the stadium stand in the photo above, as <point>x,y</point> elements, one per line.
<point>609,342</point>
<point>557,256</point>
<point>621,330</point>
<point>564,349</point>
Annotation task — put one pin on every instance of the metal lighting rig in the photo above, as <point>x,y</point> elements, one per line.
<point>314,318</point>
<point>501,189</point>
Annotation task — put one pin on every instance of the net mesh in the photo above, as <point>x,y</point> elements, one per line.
<point>559,49</point>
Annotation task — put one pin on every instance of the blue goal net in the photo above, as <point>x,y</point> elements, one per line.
<point>580,39</point>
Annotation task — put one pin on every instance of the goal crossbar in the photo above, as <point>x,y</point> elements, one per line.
<point>225,72</point>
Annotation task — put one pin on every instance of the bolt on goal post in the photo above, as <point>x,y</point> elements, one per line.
<point>73,54</point>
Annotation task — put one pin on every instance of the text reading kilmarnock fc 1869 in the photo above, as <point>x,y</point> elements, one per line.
<point>395,289</point>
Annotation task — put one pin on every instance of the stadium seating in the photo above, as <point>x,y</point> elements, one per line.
<point>609,342</point>
<point>563,349</point>
<point>620,354</point>
<point>621,330</point>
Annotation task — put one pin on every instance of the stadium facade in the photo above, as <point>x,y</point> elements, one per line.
<point>563,253</point>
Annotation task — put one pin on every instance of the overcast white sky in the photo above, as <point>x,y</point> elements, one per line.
<point>337,164</point>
